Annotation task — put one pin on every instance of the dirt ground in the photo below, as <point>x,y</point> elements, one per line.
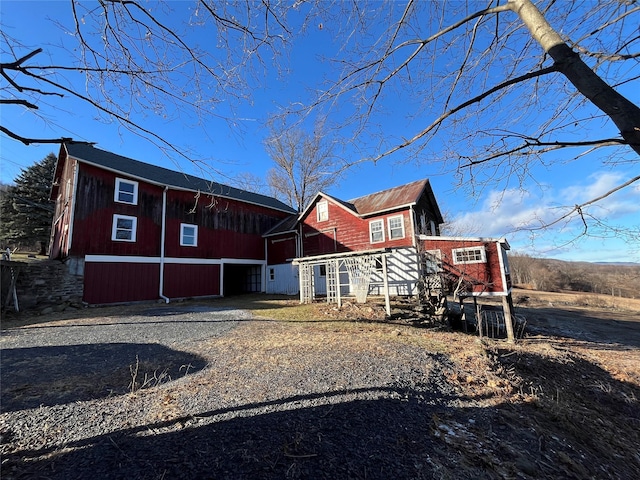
<point>562,402</point>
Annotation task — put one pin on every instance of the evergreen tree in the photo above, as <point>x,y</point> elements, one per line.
<point>26,212</point>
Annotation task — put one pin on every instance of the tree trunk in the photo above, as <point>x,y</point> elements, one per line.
<point>624,113</point>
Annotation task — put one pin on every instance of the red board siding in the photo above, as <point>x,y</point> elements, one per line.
<point>191,280</point>
<point>226,228</point>
<point>344,231</point>
<point>490,273</point>
<point>120,282</point>
<point>280,249</point>
<point>94,210</point>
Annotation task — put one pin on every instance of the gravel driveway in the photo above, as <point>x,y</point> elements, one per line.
<point>197,392</point>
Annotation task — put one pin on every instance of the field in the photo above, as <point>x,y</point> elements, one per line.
<point>311,391</point>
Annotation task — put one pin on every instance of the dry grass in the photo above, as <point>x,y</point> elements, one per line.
<point>568,401</point>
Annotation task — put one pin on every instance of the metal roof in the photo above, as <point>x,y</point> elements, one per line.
<point>162,176</point>
<point>390,199</point>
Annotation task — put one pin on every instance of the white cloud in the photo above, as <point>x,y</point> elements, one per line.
<point>517,215</point>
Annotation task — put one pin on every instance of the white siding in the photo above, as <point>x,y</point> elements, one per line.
<point>403,273</point>
<point>285,279</point>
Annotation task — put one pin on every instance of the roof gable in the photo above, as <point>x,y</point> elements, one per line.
<point>162,176</point>
<point>341,203</point>
<point>390,199</point>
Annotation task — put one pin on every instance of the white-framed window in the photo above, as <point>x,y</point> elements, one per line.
<point>188,235</point>
<point>126,191</point>
<point>322,210</point>
<point>469,255</point>
<point>272,274</point>
<point>124,228</point>
<point>376,231</point>
<point>396,227</point>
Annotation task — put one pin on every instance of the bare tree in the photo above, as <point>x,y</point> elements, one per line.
<point>134,59</point>
<point>491,88</point>
<point>305,164</point>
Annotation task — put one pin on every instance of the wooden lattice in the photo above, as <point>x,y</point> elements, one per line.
<point>360,269</point>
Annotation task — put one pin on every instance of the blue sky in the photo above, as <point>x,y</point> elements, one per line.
<point>230,150</point>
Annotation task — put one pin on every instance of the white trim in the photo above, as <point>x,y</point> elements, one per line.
<point>382,212</point>
<point>502,240</point>
<point>120,259</point>
<point>502,254</point>
<point>114,228</point>
<point>480,248</point>
<point>326,206</point>
<point>371,222</point>
<point>195,235</point>
<point>136,259</point>
<point>116,191</point>
<point>394,217</point>
<point>193,261</point>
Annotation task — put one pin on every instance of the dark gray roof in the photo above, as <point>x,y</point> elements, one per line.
<point>163,176</point>
<point>287,224</point>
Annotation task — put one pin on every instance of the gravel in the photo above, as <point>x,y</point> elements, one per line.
<point>212,399</point>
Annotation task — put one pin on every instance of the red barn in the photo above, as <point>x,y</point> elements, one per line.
<point>136,231</point>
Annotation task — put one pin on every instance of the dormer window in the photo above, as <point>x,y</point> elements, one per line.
<point>126,191</point>
<point>322,210</point>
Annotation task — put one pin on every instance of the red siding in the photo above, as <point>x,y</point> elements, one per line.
<point>226,228</point>
<point>488,275</point>
<point>94,210</point>
<point>345,231</point>
<point>281,248</point>
<point>120,282</point>
<point>191,280</point>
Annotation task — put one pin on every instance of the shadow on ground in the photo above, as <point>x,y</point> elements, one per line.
<point>599,327</point>
<point>52,375</point>
<point>393,433</point>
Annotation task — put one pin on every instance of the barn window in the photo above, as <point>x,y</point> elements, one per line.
<point>396,227</point>
<point>126,191</point>
<point>272,274</point>
<point>469,255</point>
<point>188,235</point>
<point>376,231</point>
<point>124,228</point>
<point>323,211</point>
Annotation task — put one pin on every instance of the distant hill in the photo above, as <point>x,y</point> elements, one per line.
<point>623,264</point>
<point>620,279</point>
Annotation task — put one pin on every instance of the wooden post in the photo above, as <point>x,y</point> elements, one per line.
<point>463,319</point>
<point>507,307</point>
<point>385,280</point>
<point>478,316</point>
<point>338,296</point>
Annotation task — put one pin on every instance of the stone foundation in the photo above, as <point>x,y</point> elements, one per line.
<point>48,285</point>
